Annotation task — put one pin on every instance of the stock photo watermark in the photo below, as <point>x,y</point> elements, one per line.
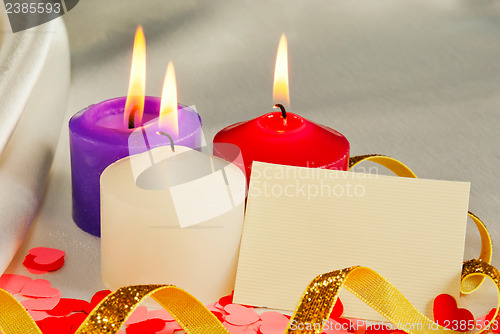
<point>309,183</point>
<point>354,325</point>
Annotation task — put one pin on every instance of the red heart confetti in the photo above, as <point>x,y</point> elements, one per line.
<point>150,326</point>
<point>173,326</point>
<point>46,255</point>
<point>54,325</point>
<point>31,265</point>
<point>213,307</point>
<point>219,306</point>
<point>338,309</point>
<point>490,315</point>
<point>13,283</point>
<point>447,314</point>
<point>38,315</point>
<point>96,299</point>
<point>273,322</point>
<point>43,259</point>
<point>161,314</point>
<point>219,315</point>
<point>39,288</point>
<point>76,320</point>
<point>67,306</point>
<point>140,314</point>
<point>40,304</point>
<point>481,322</point>
<point>238,329</point>
<point>223,301</point>
<point>240,315</point>
<point>168,329</point>
<point>488,320</point>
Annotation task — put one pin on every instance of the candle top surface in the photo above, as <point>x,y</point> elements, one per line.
<point>104,120</point>
<point>144,178</point>
<point>274,121</point>
<point>109,114</point>
<point>273,128</point>
<point>297,141</point>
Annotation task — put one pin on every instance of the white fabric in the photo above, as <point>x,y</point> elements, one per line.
<point>34,84</point>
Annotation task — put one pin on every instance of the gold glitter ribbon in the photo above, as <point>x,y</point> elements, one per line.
<point>314,307</point>
<point>320,296</point>
<point>189,312</point>
<point>112,312</point>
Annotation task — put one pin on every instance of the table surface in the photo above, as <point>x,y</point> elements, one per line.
<point>415,80</point>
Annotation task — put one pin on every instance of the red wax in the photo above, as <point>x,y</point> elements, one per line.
<point>296,142</point>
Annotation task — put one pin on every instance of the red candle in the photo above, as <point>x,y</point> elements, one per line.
<point>283,137</point>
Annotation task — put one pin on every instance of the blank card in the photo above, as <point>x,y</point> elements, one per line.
<point>302,222</point>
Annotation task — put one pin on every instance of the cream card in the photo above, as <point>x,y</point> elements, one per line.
<point>302,222</point>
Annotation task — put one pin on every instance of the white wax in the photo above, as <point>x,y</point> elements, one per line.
<point>172,218</point>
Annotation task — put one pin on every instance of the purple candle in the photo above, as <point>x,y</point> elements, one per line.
<point>98,138</point>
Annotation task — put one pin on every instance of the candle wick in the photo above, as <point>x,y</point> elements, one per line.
<point>131,117</point>
<point>169,137</point>
<point>131,121</point>
<point>283,110</point>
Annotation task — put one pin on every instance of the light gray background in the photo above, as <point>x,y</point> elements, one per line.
<point>416,80</point>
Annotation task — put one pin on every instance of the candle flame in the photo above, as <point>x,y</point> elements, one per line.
<point>280,90</point>
<point>134,106</point>
<point>168,120</point>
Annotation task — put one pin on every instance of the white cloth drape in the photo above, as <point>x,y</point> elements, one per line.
<point>34,83</point>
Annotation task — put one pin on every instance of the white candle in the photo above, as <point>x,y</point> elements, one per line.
<point>172,218</point>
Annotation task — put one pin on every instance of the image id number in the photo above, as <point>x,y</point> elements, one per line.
<point>32,8</point>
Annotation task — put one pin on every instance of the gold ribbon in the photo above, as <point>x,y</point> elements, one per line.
<point>319,298</point>
<point>112,312</point>
<point>312,311</point>
<point>14,319</point>
<point>189,312</point>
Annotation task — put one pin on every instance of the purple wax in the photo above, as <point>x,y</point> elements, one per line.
<point>98,138</point>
